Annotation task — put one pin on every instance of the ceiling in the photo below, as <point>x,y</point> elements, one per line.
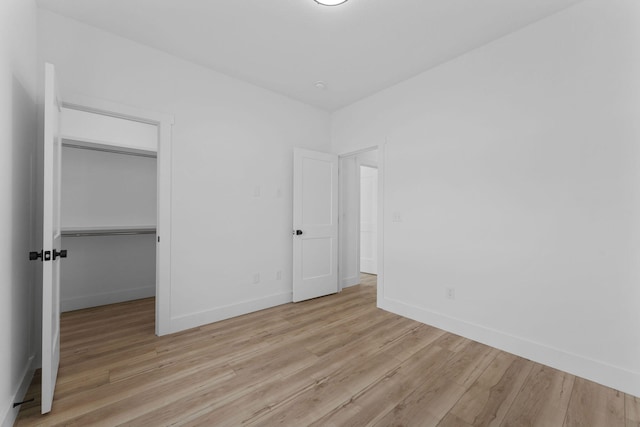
<point>357,49</point>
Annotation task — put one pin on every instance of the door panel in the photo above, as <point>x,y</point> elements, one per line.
<point>51,238</point>
<point>317,181</point>
<point>316,257</point>
<point>315,216</point>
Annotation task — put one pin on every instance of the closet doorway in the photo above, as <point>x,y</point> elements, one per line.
<point>115,207</point>
<point>359,213</point>
<point>108,214</point>
<point>368,219</point>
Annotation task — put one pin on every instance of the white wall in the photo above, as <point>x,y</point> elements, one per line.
<point>107,189</point>
<point>104,270</point>
<point>17,140</point>
<point>368,220</point>
<point>86,128</point>
<point>349,207</point>
<point>515,169</point>
<point>230,139</point>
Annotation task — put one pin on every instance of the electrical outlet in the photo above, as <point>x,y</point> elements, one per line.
<point>256,278</point>
<point>397,217</point>
<point>451,293</point>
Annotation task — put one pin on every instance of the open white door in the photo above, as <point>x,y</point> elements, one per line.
<point>51,253</point>
<point>315,224</point>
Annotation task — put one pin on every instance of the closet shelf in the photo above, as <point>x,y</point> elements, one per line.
<point>86,144</point>
<point>117,230</point>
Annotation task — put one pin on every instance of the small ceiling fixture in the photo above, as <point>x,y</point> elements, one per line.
<point>320,85</point>
<point>330,2</point>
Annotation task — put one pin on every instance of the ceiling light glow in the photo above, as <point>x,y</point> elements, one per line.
<point>330,2</point>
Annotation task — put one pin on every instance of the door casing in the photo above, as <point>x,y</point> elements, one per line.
<point>164,122</point>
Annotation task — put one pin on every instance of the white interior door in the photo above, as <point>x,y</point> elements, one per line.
<point>368,220</point>
<point>51,240</point>
<point>315,224</point>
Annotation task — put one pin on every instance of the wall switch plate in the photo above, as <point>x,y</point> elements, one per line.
<point>279,275</point>
<point>256,191</point>
<point>256,278</point>
<point>451,293</point>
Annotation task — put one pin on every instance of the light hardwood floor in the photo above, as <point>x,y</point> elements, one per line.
<point>332,361</point>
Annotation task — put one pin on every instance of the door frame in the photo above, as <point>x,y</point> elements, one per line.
<point>342,236</point>
<point>164,122</point>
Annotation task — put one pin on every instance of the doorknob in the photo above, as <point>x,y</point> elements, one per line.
<point>62,253</point>
<point>42,256</point>
<point>298,232</point>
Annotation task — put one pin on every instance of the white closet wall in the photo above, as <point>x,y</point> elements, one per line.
<point>104,270</point>
<point>105,130</point>
<point>107,189</point>
<point>349,207</point>
<point>102,191</point>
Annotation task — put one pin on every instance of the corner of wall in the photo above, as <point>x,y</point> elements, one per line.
<point>594,370</point>
<point>192,320</point>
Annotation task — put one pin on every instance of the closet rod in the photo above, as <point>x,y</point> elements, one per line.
<point>108,150</point>
<point>106,233</point>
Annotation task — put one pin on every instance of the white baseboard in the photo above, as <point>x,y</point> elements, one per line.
<point>350,281</point>
<point>368,266</point>
<point>192,320</point>
<point>12,413</point>
<point>95,300</point>
<point>593,370</point>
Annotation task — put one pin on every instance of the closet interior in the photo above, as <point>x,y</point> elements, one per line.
<point>108,209</point>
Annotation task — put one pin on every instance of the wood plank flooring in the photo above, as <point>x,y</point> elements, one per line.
<point>332,361</point>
